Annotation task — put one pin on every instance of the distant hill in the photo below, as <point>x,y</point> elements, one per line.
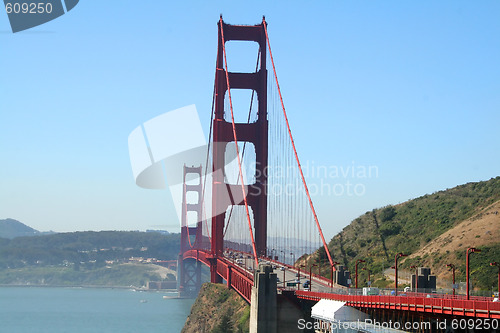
<point>434,230</point>
<point>87,246</point>
<point>85,258</point>
<point>10,228</point>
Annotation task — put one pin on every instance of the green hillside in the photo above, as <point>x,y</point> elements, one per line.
<point>378,235</point>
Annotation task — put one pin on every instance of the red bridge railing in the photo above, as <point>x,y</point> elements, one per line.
<point>458,307</point>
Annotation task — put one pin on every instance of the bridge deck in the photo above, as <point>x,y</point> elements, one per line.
<point>242,281</point>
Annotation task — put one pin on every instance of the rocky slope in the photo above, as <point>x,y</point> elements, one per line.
<point>218,310</point>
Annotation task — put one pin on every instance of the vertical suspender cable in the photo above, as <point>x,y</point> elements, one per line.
<point>293,145</point>
<point>208,154</point>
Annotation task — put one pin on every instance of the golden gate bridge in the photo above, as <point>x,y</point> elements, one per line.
<point>250,200</point>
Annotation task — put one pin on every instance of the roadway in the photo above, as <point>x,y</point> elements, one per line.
<point>285,274</point>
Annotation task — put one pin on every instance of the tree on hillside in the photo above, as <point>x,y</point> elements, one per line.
<point>225,325</point>
<point>387,214</point>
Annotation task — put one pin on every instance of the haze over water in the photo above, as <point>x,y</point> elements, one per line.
<point>79,310</point>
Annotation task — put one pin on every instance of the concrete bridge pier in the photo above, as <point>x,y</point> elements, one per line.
<point>263,307</point>
<point>271,312</point>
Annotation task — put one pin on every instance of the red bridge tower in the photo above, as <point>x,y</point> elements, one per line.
<point>189,270</point>
<point>256,133</point>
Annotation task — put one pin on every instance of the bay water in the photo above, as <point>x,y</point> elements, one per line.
<point>78,310</point>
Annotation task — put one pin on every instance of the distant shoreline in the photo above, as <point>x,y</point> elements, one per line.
<point>68,286</point>
<point>86,287</point>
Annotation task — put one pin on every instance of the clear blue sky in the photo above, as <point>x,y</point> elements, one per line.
<point>410,87</point>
